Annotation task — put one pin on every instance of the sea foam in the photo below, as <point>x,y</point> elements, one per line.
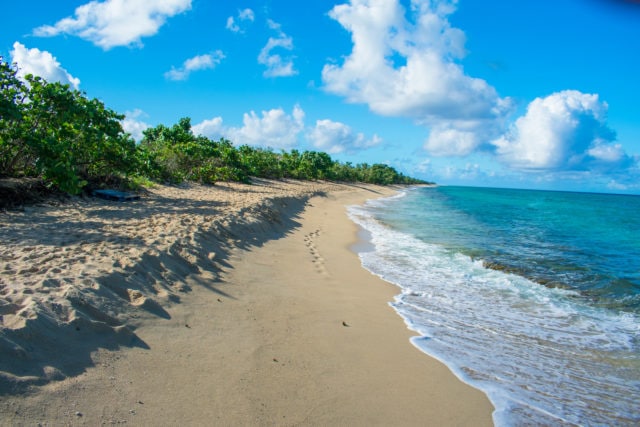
<point>542,354</point>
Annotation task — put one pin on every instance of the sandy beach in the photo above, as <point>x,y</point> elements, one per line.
<point>227,305</point>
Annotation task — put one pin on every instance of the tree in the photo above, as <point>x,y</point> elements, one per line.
<point>317,165</point>
<point>48,130</point>
<point>166,153</point>
<point>175,154</point>
<point>14,154</point>
<point>261,162</point>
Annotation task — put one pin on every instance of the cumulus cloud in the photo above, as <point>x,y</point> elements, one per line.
<point>459,139</point>
<point>112,23</point>
<point>466,171</point>
<point>277,129</point>
<point>617,186</point>
<point>41,63</point>
<point>211,128</point>
<point>277,65</point>
<point>198,62</point>
<point>566,130</point>
<point>274,129</point>
<point>425,167</point>
<point>404,63</point>
<point>335,137</point>
<point>133,124</point>
<point>244,17</point>
<point>611,153</point>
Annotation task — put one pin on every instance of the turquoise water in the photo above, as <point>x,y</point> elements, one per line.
<point>531,296</point>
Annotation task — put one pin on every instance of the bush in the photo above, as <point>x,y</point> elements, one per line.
<point>49,131</point>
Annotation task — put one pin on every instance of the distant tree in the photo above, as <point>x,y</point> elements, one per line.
<point>231,166</point>
<point>291,164</point>
<point>165,151</point>
<point>317,165</point>
<point>50,131</point>
<point>262,162</point>
<point>345,172</point>
<point>175,154</point>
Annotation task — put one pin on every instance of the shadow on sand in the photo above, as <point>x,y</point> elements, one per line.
<point>102,312</point>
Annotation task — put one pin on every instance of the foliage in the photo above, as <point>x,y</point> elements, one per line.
<point>48,130</point>
<point>175,154</point>
<point>52,132</point>
<point>14,157</point>
<point>261,162</point>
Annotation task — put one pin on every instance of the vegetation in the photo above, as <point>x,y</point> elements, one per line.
<point>51,132</point>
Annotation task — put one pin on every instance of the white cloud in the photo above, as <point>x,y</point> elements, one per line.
<point>335,137</point>
<point>133,125</point>
<point>199,62</point>
<point>464,171</point>
<point>112,23</point>
<point>41,63</point>
<point>211,128</point>
<point>447,140</point>
<point>617,186</point>
<point>244,16</point>
<point>606,152</point>
<point>275,129</point>
<point>277,65</point>
<point>404,64</point>
<point>424,167</point>
<point>564,131</point>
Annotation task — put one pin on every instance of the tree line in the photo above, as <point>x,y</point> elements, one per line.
<point>55,133</point>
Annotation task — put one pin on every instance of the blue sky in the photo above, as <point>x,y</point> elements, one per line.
<point>534,95</point>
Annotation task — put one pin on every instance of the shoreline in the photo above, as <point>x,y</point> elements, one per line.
<point>364,245</point>
<point>285,330</point>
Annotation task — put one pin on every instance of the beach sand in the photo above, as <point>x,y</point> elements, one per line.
<point>225,305</point>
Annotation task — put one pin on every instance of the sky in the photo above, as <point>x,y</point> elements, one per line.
<point>541,95</point>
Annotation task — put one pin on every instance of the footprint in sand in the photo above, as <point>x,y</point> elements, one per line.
<point>318,261</point>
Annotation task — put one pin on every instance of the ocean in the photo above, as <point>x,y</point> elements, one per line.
<point>530,296</point>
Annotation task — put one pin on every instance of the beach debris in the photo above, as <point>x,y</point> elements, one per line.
<point>345,324</point>
<point>186,325</point>
<point>119,196</point>
<point>78,414</point>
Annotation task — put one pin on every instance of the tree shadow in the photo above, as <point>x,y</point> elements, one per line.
<point>105,307</point>
<point>45,351</point>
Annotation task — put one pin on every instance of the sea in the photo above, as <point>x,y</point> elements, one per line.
<point>530,296</point>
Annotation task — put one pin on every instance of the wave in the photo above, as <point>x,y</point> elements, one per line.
<point>542,354</point>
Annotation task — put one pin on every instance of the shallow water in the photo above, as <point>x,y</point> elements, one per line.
<point>531,296</point>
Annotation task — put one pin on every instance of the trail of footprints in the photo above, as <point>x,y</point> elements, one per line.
<point>310,243</point>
